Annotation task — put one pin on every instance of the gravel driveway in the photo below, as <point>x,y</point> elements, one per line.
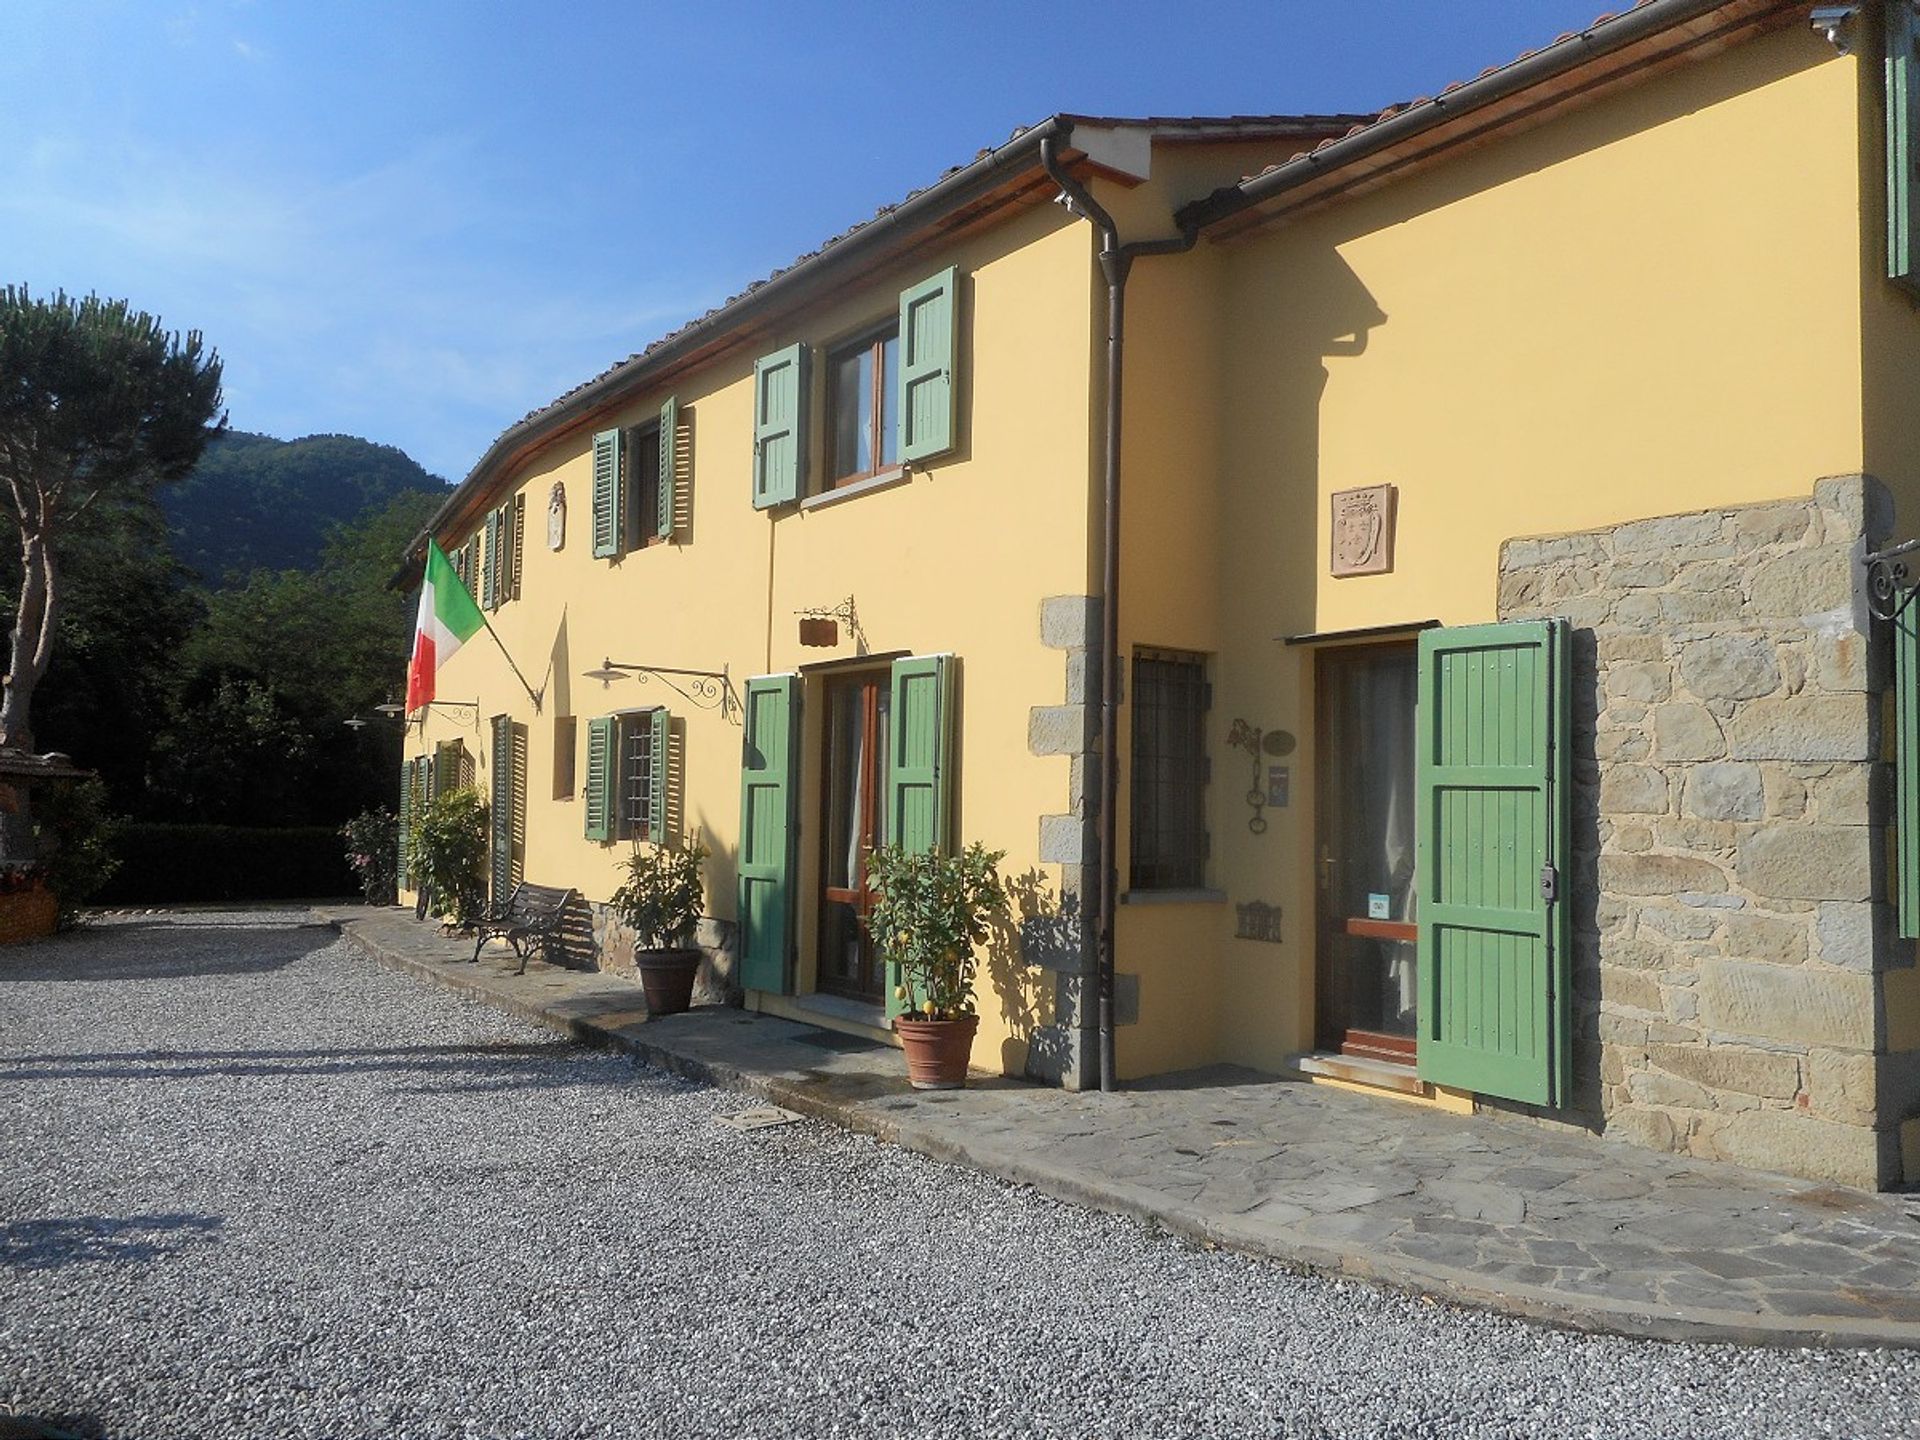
<point>252,1185</point>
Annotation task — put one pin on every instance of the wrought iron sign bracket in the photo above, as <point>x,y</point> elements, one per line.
<point>1891,584</point>
<point>708,689</point>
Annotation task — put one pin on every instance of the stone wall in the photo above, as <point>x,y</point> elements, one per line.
<point>718,982</point>
<point>1728,856</point>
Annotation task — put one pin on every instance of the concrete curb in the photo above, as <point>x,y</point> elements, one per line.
<point>1596,1314</point>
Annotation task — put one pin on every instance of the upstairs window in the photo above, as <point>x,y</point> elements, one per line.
<point>863,403</point>
<point>642,492</point>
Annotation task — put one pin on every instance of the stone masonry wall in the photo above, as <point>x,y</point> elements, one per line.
<point>718,980</point>
<point>1728,856</point>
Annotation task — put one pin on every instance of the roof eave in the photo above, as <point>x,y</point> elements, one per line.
<point>1536,71</point>
<point>965,184</point>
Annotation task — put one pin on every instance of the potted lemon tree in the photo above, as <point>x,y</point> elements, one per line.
<point>662,900</point>
<point>929,915</point>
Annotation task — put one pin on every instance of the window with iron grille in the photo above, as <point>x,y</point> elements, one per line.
<point>636,773</point>
<point>1168,849</point>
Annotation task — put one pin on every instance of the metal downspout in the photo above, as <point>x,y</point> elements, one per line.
<point>1116,261</point>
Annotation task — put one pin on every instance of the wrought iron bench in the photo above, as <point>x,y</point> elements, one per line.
<point>530,919</point>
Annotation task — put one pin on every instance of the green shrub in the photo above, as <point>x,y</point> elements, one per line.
<point>663,895</point>
<point>930,913</point>
<point>372,839</point>
<point>77,841</point>
<point>449,856</point>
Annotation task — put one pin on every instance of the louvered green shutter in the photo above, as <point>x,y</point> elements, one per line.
<point>928,340</point>
<point>769,789</point>
<point>490,586</point>
<point>779,426</point>
<point>403,831</point>
<point>606,494</point>
<point>919,764</point>
<point>660,728</point>
<point>602,768</point>
<point>1906,764</point>
<point>473,566</point>
<point>1491,841</point>
<point>1903,142</point>
<point>669,466</point>
<point>501,809</point>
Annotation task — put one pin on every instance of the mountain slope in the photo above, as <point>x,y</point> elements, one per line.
<point>255,502</point>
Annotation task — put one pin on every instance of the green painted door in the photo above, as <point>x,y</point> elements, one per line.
<point>1906,765</point>
<point>1491,782</point>
<point>769,788</point>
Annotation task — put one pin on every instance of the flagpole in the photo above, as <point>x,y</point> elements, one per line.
<point>532,694</point>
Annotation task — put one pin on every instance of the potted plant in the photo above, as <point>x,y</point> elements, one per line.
<point>928,915</point>
<point>661,900</point>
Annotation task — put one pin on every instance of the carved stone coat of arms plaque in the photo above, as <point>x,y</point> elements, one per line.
<point>1363,531</point>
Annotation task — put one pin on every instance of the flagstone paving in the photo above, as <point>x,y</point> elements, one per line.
<point>1472,1209</point>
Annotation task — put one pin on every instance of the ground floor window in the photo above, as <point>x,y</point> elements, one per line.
<point>1168,834</point>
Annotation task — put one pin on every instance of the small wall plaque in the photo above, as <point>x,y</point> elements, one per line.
<point>1258,921</point>
<point>1279,784</point>
<point>1363,531</point>
<point>557,516</point>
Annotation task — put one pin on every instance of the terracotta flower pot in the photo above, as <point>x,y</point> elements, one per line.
<point>667,976</point>
<point>937,1050</point>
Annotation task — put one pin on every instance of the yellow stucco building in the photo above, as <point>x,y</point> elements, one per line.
<point>1500,713</point>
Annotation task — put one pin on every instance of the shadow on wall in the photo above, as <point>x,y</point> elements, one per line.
<point>1033,919</point>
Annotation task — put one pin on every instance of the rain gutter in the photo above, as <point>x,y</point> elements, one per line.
<point>1116,262</point>
<point>963,185</point>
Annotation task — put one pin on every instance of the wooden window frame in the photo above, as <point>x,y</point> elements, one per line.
<point>1140,795</point>
<point>874,340</point>
<point>870,823</point>
<point>632,790</point>
<point>641,523</point>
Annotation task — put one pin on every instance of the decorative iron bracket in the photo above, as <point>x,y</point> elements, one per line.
<point>708,689</point>
<point>843,612</point>
<point>1890,581</point>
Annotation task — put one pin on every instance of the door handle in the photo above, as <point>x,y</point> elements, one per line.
<point>1326,863</point>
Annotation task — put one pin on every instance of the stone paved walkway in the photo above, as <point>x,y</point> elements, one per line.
<point>1470,1209</point>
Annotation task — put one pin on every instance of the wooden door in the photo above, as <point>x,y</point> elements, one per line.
<point>1367,898</point>
<point>853,773</point>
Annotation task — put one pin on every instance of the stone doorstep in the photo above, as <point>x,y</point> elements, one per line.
<point>761,1058</point>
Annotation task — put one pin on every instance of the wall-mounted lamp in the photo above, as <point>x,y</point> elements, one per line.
<point>709,689</point>
<point>1832,22</point>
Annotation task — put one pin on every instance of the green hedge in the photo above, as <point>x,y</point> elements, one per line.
<point>175,864</point>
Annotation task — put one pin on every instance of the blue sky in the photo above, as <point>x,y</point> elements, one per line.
<point>418,221</point>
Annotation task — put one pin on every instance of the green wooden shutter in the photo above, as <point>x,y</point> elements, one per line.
<point>500,809</point>
<point>447,756</point>
<point>517,518</point>
<point>602,776</point>
<point>403,831</point>
<point>669,466</point>
<point>1903,142</point>
<point>917,756</point>
<point>919,765</point>
<point>1906,765</point>
<point>606,494</point>
<point>779,426</point>
<point>1491,839</point>
<point>928,347</point>
<point>473,566</point>
<point>660,727</point>
<point>490,587</point>
<point>769,789</point>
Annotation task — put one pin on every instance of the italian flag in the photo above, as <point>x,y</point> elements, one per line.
<point>448,619</point>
